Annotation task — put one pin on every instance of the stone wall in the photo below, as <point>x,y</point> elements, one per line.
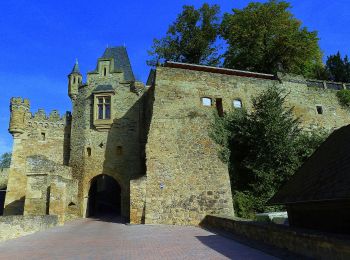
<point>36,134</point>
<point>115,152</point>
<point>138,200</point>
<point>16,226</point>
<point>4,176</point>
<point>185,178</point>
<point>312,244</point>
<point>50,189</point>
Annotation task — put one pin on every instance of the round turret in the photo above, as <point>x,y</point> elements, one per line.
<point>19,108</point>
<point>74,81</point>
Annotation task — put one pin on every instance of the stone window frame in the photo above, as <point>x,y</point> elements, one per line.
<point>319,109</point>
<point>105,123</point>
<point>237,100</point>
<point>207,98</point>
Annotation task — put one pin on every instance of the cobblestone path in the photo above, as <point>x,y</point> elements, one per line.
<point>94,239</point>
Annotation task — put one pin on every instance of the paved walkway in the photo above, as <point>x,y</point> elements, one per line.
<point>94,239</point>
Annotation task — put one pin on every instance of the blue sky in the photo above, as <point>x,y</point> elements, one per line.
<point>39,41</point>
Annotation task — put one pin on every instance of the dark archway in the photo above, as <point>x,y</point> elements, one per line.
<point>2,200</point>
<point>104,197</point>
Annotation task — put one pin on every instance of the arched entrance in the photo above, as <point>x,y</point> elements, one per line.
<point>104,197</point>
<point>2,200</point>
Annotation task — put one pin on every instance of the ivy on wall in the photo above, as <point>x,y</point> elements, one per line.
<point>344,97</point>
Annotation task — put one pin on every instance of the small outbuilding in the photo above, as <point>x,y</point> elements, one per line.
<point>318,195</point>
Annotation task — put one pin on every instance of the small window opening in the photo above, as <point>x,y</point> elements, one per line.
<point>219,107</point>
<point>101,145</point>
<point>319,110</point>
<point>43,137</point>
<point>71,204</point>
<point>206,102</point>
<point>73,80</point>
<point>237,103</point>
<point>104,71</point>
<point>119,150</point>
<point>88,150</point>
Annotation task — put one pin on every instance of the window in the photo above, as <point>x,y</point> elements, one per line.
<point>119,150</point>
<point>73,80</point>
<point>206,102</point>
<point>88,150</point>
<point>103,111</point>
<point>237,103</point>
<point>104,108</point>
<point>104,71</point>
<point>43,137</point>
<point>319,110</point>
<point>219,107</point>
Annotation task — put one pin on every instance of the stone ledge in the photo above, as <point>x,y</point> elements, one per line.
<point>305,242</point>
<point>17,226</point>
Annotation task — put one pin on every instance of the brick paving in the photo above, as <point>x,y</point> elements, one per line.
<point>94,239</point>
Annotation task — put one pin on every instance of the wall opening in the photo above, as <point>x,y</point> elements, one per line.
<point>206,101</point>
<point>119,150</point>
<point>43,136</point>
<point>319,110</point>
<point>2,200</point>
<point>104,71</point>
<point>104,197</point>
<point>237,103</point>
<point>219,107</point>
<point>88,151</point>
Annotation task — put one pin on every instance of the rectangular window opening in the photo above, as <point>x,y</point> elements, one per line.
<point>219,107</point>
<point>43,136</point>
<point>206,102</point>
<point>88,151</point>
<point>319,110</point>
<point>237,103</point>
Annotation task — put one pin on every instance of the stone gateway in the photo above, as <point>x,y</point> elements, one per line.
<point>142,152</point>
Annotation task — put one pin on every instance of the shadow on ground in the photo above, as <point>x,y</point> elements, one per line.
<point>216,243</point>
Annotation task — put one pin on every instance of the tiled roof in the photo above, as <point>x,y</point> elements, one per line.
<point>121,61</point>
<point>324,176</point>
<point>103,88</point>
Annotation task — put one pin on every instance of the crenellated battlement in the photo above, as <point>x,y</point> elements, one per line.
<point>53,119</point>
<point>22,118</point>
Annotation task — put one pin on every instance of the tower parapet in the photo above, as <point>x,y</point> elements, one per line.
<point>19,108</point>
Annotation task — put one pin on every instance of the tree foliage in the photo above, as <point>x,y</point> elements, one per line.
<point>266,37</point>
<point>5,160</point>
<point>263,149</point>
<point>338,69</point>
<point>191,38</point>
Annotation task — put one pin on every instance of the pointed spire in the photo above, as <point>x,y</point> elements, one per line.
<point>76,67</point>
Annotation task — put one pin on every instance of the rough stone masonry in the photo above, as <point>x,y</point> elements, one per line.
<point>142,151</point>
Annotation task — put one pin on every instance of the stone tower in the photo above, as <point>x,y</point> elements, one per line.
<point>74,80</point>
<point>19,108</point>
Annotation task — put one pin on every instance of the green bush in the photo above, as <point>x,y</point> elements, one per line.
<point>344,97</point>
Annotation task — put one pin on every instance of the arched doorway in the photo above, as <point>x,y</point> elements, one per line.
<point>104,197</point>
<point>2,200</point>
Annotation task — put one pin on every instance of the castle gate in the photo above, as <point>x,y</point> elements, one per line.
<point>104,197</point>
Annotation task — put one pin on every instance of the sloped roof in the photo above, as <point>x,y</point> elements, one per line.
<point>121,61</point>
<point>76,68</point>
<point>324,176</point>
<point>103,88</point>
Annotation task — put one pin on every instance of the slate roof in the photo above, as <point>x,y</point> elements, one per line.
<point>121,61</point>
<point>76,68</point>
<point>324,176</point>
<point>103,88</point>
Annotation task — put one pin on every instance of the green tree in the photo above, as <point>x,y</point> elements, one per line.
<point>5,160</point>
<point>191,38</point>
<point>263,149</point>
<point>266,37</point>
<point>338,68</point>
